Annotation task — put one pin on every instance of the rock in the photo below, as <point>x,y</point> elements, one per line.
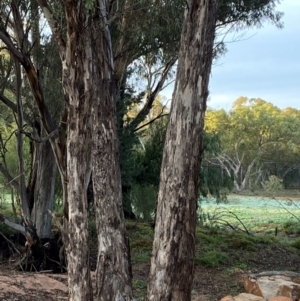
<point>274,283</point>
<point>249,297</point>
<point>280,298</point>
<point>245,297</point>
<point>252,287</point>
<point>31,286</point>
<point>227,298</point>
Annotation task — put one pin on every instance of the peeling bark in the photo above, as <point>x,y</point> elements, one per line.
<point>77,85</point>
<point>172,263</point>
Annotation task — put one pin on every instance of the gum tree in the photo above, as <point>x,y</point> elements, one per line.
<point>174,240</point>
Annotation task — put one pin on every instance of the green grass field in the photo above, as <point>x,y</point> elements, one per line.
<point>252,213</point>
<point>257,214</point>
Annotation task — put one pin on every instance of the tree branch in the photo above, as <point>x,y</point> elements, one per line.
<point>17,227</point>
<point>11,47</point>
<point>20,120</point>
<point>12,106</point>
<point>18,28</point>
<point>150,99</point>
<point>151,121</point>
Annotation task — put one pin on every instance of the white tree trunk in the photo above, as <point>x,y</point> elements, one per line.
<point>44,190</point>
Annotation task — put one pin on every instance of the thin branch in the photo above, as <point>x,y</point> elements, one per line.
<point>3,144</point>
<point>13,106</point>
<point>151,121</point>
<point>8,103</point>
<point>232,213</point>
<point>287,210</point>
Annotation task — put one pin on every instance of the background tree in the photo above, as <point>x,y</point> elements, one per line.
<point>257,140</point>
<point>39,189</point>
<point>213,180</point>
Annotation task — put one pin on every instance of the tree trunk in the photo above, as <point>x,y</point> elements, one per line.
<point>172,263</point>
<point>77,85</point>
<point>113,279</point>
<point>247,175</point>
<point>44,190</point>
<point>113,274</point>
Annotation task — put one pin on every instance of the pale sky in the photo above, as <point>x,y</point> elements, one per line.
<point>264,64</point>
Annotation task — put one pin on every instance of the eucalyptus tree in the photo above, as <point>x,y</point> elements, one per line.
<point>85,71</point>
<point>153,37</point>
<point>71,158</point>
<point>257,140</point>
<point>174,240</point>
<point>95,42</point>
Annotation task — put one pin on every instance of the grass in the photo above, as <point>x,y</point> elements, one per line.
<point>139,287</point>
<point>296,244</point>
<point>256,214</point>
<point>219,250</point>
<point>216,246</point>
<point>291,227</point>
<point>212,258</point>
<point>141,236</point>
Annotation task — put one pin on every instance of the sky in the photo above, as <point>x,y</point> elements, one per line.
<point>265,64</point>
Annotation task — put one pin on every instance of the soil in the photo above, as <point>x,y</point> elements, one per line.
<point>210,283</point>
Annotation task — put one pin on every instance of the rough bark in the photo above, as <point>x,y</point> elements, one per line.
<point>76,56</point>
<point>172,263</point>
<point>113,277</point>
<point>77,85</point>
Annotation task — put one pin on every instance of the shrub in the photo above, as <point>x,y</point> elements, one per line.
<point>274,184</point>
<point>241,243</point>
<point>291,227</point>
<point>296,244</point>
